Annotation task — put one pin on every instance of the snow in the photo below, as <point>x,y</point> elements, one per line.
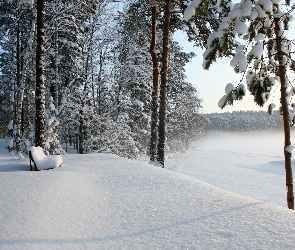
<point>289,149</point>
<point>184,27</point>
<point>10,125</point>
<point>223,25</point>
<point>254,15</point>
<point>190,10</point>
<point>45,161</point>
<point>261,12</point>
<point>245,163</point>
<point>218,3</point>
<point>273,105</point>
<point>246,8</point>
<point>9,142</point>
<point>240,60</point>
<point>259,37</point>
<point>267,5</point>
<point>222,101</point>
<point>257,50</point>
<point>102,201</point>
<point>209,42</point>
<point>240,48</point>
<point>241,27</point>
<point>235,12</point>
<point>228,88</point>
<point>267,23</point>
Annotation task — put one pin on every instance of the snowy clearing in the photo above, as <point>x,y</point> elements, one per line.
<point>246,163</point>
<point>101,201</point>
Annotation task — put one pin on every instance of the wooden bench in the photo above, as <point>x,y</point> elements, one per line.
<point>41,161</point>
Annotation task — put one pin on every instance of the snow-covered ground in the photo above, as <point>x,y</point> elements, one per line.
<point>246,163</point>
<point>101,201</point>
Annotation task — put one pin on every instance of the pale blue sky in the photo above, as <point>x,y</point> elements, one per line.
<point>211,83</point>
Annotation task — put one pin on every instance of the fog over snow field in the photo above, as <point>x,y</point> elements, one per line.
<point>101,201</point>
<point>246,163</point>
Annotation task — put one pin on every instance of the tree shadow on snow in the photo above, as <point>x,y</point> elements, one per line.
<point>131,235</point>
<point>14,166</point>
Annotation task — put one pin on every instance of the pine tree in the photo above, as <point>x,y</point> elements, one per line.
<point>155,92</point>
<point>163,86</point>
<point>40,79</point>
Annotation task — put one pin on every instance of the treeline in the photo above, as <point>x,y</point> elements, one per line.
<point>91,78</point>
<point>244,121</point>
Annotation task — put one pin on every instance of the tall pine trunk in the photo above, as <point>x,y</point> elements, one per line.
<point>20,93</point>
<point>40,84</point>
<point>164,86</point>
<point>155,91</point>
<point>285,111</point>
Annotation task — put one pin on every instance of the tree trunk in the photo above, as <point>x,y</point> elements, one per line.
<point>155,93</point>
<point>40,84</point>
<point>53,84</point>
<point>99,82</point>
<point>20,93</point>
<point>164,85</point>
<point>11,118</point>
<point>81,130</point>
<point>285,110</point>
<point>19,121</point>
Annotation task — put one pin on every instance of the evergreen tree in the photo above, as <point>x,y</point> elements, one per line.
<point>185,124</point>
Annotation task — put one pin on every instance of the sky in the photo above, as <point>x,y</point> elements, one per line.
<point>211,83</point>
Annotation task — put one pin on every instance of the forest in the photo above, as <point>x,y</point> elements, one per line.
<point>90,66</point>
<point>244,121</point>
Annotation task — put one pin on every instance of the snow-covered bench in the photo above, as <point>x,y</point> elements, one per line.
<point>42,161</point>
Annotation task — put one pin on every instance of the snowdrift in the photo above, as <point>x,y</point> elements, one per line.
<point>101,201</point>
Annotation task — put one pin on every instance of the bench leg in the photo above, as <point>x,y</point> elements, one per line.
<point>34,164</point>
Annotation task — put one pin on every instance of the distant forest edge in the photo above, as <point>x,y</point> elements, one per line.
<point>244,121</point>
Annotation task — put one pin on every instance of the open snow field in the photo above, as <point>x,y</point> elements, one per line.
<point>246,163</point>
<point>101,201</point>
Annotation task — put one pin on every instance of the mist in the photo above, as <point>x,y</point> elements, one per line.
<point>245,163</point>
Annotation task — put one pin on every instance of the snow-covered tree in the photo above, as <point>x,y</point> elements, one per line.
<point>255,33</point>
<point>17,23</point>
<point>185,124</point>
<point>52,143</point>
<point>244,121</point>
